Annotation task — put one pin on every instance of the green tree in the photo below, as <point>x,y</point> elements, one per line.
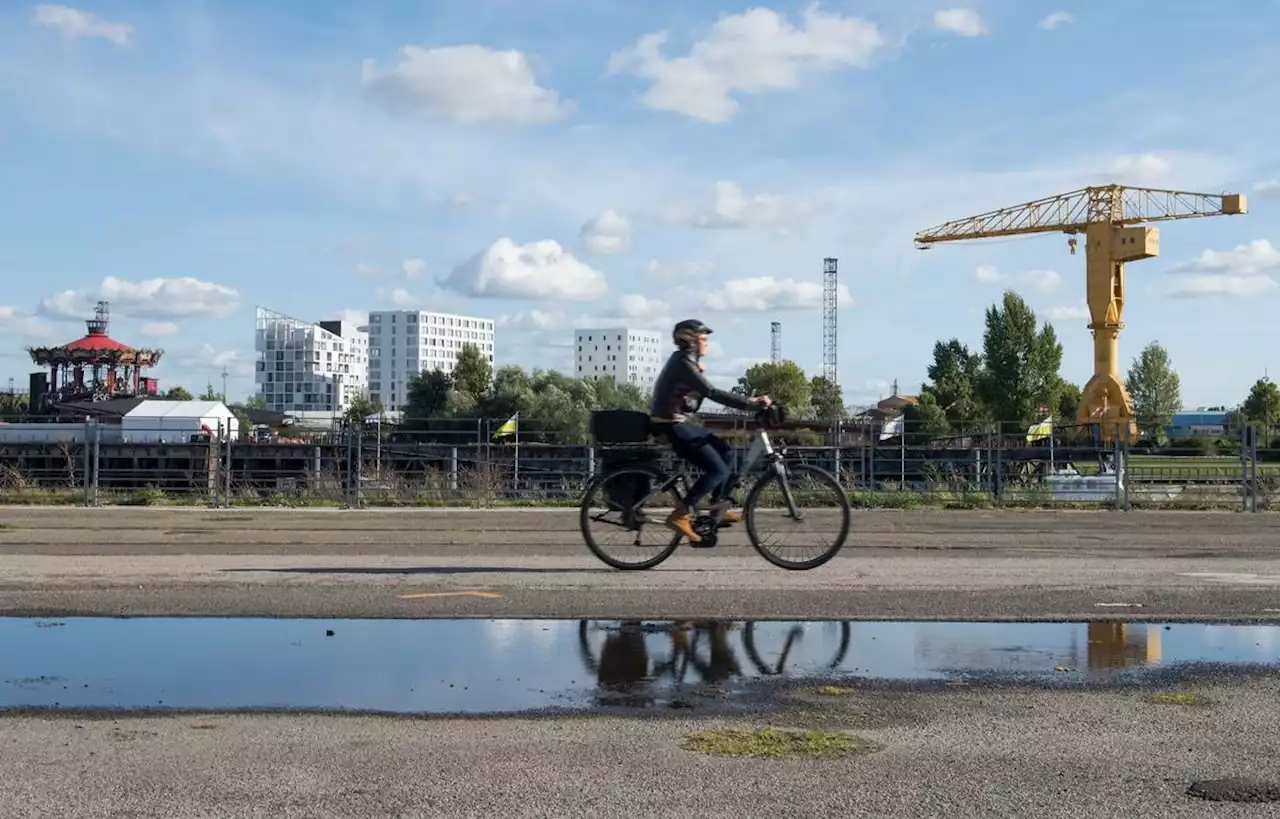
<point>827,399</point>
<point>427,395</point>
<point>1156,391</point>
<point>954,376</point>
<point>1262,407</point>
<point>1020,364</point>
<point>361,409</point>
<point>1069,402</point>
<point>257,402</point>
<point>472,372</point>
<point>209,394</point>
<point>924,420</point>
<point>177,394</point>
<point>783,381</point>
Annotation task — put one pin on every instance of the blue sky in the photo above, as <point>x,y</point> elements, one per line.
<point>551,164</point>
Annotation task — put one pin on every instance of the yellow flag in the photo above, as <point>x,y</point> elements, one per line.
<point>1040,431</point>
<point>510,427</point>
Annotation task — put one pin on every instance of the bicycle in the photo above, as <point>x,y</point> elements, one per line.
<point>633,475</point>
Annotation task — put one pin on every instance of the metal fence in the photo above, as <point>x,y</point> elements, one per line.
<point>464,462</point>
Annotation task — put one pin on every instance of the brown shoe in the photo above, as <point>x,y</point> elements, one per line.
<point>731,516</point>
<point>681,521</point>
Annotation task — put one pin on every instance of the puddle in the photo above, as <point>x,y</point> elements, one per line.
<point>487,666</point>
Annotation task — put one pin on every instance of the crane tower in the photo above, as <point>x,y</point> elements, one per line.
<point>1112,218</point>
<point>829,320</point>
<point>775,341</point>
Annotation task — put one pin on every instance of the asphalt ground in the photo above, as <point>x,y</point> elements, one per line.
<point>1000,751</point>
<point>959,565</point>
<point>989,748</point>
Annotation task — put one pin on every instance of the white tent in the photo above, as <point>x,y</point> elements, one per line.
<point>175,422</point>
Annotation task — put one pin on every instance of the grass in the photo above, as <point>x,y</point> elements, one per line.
<point>769,743</point>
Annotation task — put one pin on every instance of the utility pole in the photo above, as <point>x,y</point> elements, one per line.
<point>224,385</point>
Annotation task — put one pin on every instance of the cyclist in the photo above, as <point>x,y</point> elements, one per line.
<point>677,394</point>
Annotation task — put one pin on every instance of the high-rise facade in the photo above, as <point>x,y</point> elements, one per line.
<point>403,343</point>
<point>622,354</point>
<point>309,368</point>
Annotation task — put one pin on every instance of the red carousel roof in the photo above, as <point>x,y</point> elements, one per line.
<point>98,342</point>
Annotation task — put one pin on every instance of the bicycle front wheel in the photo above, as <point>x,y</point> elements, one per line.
<point>803,512</point>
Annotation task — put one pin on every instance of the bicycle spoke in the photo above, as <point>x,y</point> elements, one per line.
<point>799,521</point>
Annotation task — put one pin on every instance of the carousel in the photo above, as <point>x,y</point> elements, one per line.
<point>96,367</point>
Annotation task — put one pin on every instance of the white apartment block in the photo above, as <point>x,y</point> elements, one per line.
<point>622,354</point>
<point>309,368</point>
<point>403,343</point>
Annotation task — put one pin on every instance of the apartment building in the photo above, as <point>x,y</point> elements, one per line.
<point>305,368</point>
<point>403,343</point>
<point>622,354</point>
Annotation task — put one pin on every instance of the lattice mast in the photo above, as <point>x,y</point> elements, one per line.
<point>829,320</point>
<point>775,341</point>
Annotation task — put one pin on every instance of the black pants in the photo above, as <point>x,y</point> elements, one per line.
<point>705,450</point>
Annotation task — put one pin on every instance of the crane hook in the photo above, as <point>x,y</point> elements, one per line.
<point>1071,243</point>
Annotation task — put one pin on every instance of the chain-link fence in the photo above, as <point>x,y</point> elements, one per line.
<point>484,462</point>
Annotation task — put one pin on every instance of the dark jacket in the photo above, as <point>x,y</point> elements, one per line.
<point>681,386</point>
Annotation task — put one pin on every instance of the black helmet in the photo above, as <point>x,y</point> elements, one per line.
<point>685,331</point>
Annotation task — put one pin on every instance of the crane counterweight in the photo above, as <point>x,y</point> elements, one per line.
<point>1113,219</point>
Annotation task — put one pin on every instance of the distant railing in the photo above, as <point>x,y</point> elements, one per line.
<point>469,462</point>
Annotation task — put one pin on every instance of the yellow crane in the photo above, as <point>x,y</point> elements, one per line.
<point>1112,219</point>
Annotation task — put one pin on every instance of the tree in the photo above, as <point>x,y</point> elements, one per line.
<point>177,394</point>
<point>924,420</point>
<point>1069,401</point>
<point>1262,407</point>
<point>472,372</point>
<point>427,395</point>
<point>827,398</point>
<point>257,402</point>
<point>360,410</point>
<point>954,374</point>
<point>783,381</point>
<point>1155,389</point>
<point>209,394</point>
<point>1020,364</point>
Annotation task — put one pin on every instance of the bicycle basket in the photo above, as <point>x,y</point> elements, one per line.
<point>618,426</point>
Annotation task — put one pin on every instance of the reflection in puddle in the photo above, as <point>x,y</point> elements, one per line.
<point>482,666</point>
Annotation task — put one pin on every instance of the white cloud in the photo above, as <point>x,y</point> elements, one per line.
<point>360,318</point>
<point>365,269</point>
<point>1246,270</point>
<point>1067,313</point>
<point>533,320</point>
<point>1055,19</point>
<point>413,268</point>
<point>731,209</point>
<point>673,271</point>
<point>1044,281</point>
<point>397,297</point>
<point>762,293</point>
<point>1139,169</point>
<point>537,270</point>
<point>157,298</point>
<point>749,53</point>
<point>1269,189</point>
<point>467,83</point>
<point>17,322</point>
<point>606,234</point>
<point>73,23</point>
<point>208,361</point>
<point>158,329</point>
<point>965,22</point>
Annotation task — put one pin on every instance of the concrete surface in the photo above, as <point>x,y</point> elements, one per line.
<point>897,564</point>
<point>964,752</point>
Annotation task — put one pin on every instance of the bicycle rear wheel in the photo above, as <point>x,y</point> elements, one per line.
<point>808,498</point>
<point>619,503</point>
